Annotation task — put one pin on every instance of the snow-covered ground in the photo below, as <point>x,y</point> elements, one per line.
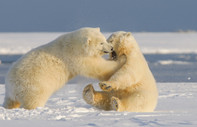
<point>177,42</point>
<point>171,56</point>
<point>176,107</point>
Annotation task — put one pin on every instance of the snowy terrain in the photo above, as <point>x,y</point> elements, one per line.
<point>176,107</point>
<point>175,42</point>
<point>172,58</point>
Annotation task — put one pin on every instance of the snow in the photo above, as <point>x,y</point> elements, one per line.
<point>165,43</point>
<point>20,43</point>
<point>172,58</point>
<point>176,107</point>
<point>166,62</point>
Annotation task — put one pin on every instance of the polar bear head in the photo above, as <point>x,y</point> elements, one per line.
<point>123,43</point>
<point>89,42</point>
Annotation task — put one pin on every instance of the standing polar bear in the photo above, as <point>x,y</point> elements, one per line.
<point>132,88</point>
<point>42,71</point>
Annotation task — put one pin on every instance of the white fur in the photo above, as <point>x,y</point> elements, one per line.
<point>133,84</point>
<point>42,71</point>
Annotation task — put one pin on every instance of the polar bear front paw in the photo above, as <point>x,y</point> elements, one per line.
<point>105,87</point>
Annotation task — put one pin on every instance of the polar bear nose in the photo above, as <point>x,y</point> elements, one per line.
<point>112,49</point>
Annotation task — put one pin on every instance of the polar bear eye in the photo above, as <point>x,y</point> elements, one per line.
<point>110,41</point>
<point>101,43</point>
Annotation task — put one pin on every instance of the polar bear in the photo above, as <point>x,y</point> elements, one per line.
<point>44,70</point>
<point>132,88</point>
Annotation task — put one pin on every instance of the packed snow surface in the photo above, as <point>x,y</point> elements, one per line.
<point>176,107</point>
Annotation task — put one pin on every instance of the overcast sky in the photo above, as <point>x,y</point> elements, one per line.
<point>109,15</point>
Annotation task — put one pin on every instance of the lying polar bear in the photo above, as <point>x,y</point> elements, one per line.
<point>132,88</point>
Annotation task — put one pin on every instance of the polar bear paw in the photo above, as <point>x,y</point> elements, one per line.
<point>115,103</point>
<point>88,94</point>
<point>105,86</point>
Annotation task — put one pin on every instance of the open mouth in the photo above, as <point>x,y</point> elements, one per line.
<point>105,51</point>
<point>113,55</point>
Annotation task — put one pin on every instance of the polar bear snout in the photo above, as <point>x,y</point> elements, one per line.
<point>109,51</point>
<point>108,48</point>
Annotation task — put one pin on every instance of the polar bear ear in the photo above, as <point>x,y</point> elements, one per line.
<point>127,34</point>
<point>98,29</point>
<point>88,40</point>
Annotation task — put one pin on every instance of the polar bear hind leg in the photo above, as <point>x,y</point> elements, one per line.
<point>31,99</point>
<point>32,102</point>
<point>115,103</point>
<point>88,94</point>
<point>10,104</point>
<point>99,99</point>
